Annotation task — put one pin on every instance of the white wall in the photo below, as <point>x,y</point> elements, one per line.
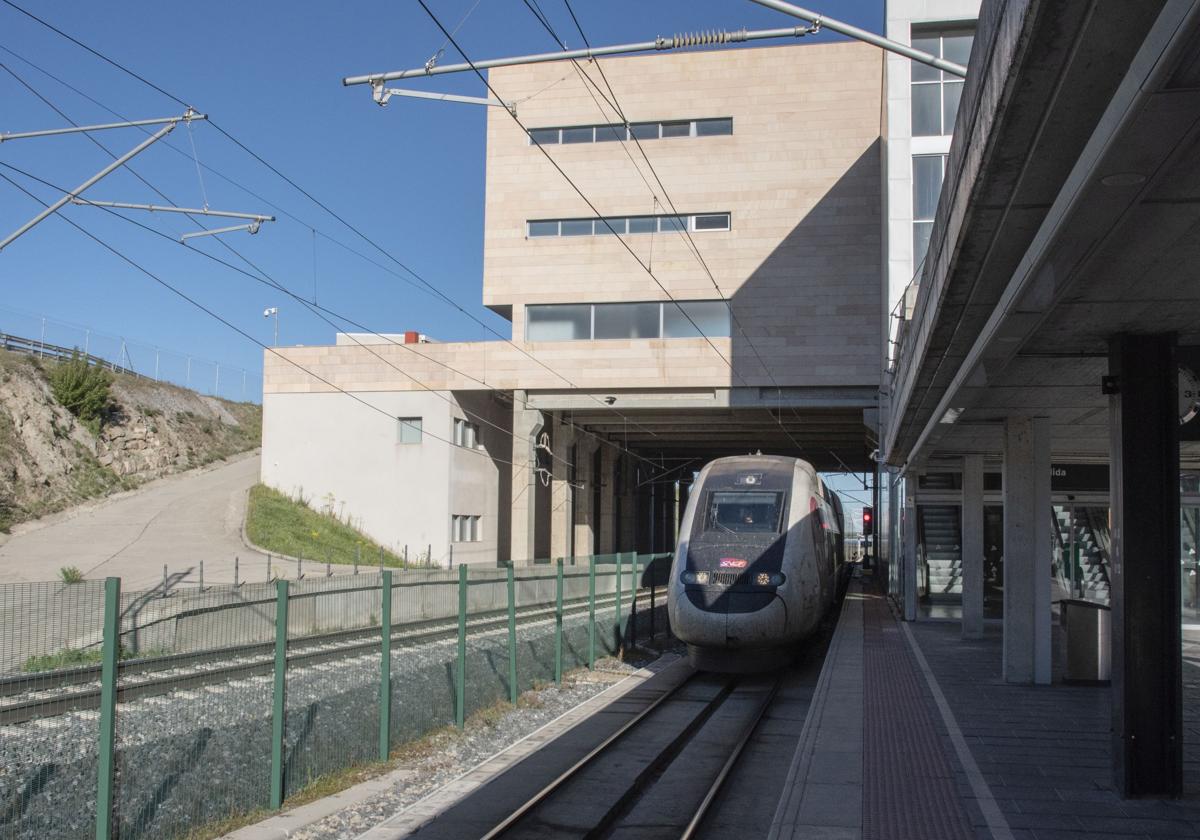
<point>330,448</point>
<point>900,145</point>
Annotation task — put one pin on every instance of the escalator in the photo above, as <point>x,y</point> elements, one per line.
<point>940,535</point>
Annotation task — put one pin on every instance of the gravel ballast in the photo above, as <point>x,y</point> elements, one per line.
<point>194,757</point>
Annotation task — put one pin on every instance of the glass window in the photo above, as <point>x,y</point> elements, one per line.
<point>927,184</point>
<point>408,430</point>
<point>715,221</point>
<point>609,133</point>
<point>936,94</point>
<point>744,512</point>
<point>577,135</point>
<point>465,434</point>
<point>712,128</point>
<point>465,528</point>
<point>951,94</point>
<point>644,131</point>
<point>931,44</point>
<point>577,227</point>
<point>676,129</point>
<point>543,228</point>
<point>711,316</point>
<point>926,110</point>
<point>626,320</point>
<point>643,224</point>
<point>928,172</point>
<point>558,322</point>
<point>544,136</point>
<point>922,232</point>
<point>617,225</point>
<point>956,45</point>
<point>672,223</point>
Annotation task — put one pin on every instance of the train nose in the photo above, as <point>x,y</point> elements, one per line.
<point>731,619</point>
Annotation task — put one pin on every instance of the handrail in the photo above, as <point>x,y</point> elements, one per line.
<point>18,344</point>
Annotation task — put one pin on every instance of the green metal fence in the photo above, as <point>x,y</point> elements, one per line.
<point>138,714</point>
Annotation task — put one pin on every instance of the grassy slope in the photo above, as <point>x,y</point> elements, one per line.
<point>277,523</point>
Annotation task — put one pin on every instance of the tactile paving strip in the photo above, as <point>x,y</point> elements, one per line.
<point>910,790</point>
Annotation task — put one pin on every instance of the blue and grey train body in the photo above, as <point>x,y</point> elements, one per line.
<point>757,566</point>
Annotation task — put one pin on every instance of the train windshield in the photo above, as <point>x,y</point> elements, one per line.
<point>744,512</point>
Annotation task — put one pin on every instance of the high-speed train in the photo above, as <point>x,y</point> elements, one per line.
<point>758,563</point>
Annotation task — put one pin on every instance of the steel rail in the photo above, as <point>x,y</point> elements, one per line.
<point>727,767</point>
<point>262,663</point>
<point>539,797</point>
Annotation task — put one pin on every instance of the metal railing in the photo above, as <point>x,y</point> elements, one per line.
<point>122,715</point>
<point>34,347</point>
<point>58,339</point>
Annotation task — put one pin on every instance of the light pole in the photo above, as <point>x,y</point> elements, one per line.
<point>273,311</point>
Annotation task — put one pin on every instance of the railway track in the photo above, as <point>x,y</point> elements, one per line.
<point>47,694</point>
<point>659,774</point>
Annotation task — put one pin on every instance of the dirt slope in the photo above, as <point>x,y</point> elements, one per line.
<point>49,461</point>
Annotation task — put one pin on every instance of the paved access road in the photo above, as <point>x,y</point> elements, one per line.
<point>178,521</point>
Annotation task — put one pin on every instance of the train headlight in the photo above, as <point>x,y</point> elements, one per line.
<point>762,579</point>
<point>702,578</point>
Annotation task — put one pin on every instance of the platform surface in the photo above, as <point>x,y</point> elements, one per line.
<point>946,749</point>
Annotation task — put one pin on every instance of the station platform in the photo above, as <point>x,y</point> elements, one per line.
<point>912,733</point>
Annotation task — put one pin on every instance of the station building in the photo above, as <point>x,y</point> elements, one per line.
<point>1039,437</point>
<point>734,311</point>
<point>983,291</point>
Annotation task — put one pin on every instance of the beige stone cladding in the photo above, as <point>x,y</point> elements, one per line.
<point>479,365</point>
<point>800,176</point>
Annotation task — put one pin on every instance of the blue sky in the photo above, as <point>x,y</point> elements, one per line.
<point>409,176</point>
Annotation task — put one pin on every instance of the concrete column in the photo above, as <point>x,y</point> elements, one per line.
<point>527,425</point>
<point>585,532</point>
<point>562,524</point>
<point>1147,691</point>
<point>1027,550</point>
<point>910,562</point>
<point>972,547</point>
<point>607,478</point>
<point>629,505</point>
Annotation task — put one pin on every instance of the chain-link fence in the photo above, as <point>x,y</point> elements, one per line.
<point>50,338</point>
<point>130,715</point>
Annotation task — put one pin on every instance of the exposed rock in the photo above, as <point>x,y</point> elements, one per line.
<point>49,461</point>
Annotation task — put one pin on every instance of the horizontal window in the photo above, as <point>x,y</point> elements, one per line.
<point>621,225</point>
<point>635,131</point>
<point>588,321</point>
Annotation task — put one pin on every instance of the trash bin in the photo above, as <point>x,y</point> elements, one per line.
<point>1087,626</point>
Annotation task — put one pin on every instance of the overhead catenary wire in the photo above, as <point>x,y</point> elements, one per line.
<point>265,279</point>
<point>437,292</point>
<point>356,231</point>
<point>583,196</point>
<point>212,314</point>
<point>269,280</point>
<point>683,232</point>
<point>613,102</point>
